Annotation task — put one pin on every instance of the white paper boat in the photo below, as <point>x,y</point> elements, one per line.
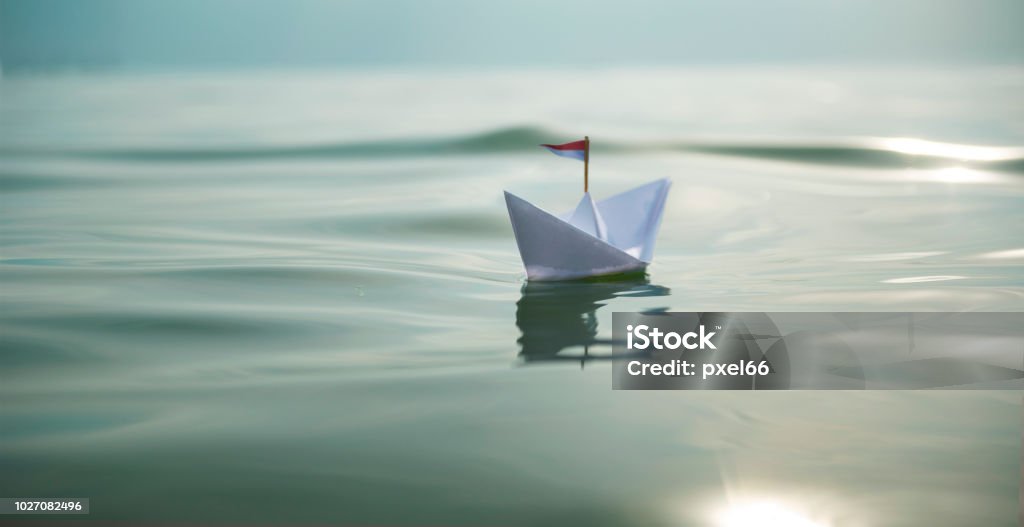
<point>611,236</point>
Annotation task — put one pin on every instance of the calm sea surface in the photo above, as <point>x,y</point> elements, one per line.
<point>295,296</point>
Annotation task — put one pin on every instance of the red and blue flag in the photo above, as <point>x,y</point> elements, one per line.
<point>575,149</point>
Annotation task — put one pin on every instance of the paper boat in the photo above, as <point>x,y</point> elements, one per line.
<point>611,236</point>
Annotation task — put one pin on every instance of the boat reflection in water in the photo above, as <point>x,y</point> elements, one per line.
<point>556,316</point>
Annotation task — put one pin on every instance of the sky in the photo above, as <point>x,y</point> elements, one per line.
<point>218,34</point>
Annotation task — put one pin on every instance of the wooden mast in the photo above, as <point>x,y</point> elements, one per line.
<point>586,162</point>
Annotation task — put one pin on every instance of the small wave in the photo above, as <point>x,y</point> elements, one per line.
<point>865,155</point>
<point>499,141</point>
<point>868,153</point>
<point>13,182</point>
<point>154,323</point>
<point>417,225</point>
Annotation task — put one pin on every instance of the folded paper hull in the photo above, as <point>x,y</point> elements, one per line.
<point>612,236</point>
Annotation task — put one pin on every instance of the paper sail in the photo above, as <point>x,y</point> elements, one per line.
<point>611,236</point>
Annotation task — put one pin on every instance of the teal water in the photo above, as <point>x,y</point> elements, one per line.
<point>294,297</point>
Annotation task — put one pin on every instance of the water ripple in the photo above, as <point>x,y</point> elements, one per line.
<point>870,152</point>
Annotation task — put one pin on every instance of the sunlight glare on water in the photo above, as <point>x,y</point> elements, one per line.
<point>921,147</point>
<point>763,514</point>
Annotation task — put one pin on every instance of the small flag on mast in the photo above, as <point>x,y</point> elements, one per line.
<point>576,150</point>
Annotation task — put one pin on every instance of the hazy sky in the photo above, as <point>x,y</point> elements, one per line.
<point>308,33</point>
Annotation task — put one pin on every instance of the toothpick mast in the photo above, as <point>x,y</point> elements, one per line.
<point>586,162</point>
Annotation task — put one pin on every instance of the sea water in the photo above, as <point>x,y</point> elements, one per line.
<point>294,296</point>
